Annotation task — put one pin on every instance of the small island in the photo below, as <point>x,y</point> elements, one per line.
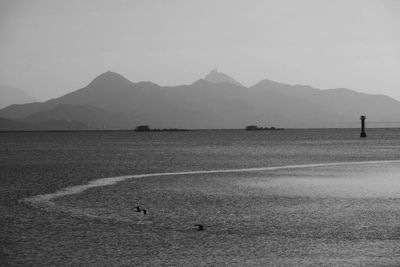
<point>146,128</point>
<point>256,128</point>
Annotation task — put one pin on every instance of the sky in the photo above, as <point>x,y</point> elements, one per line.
<point>51,47</point>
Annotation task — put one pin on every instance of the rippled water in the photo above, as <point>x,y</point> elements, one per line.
<point>325,214</point>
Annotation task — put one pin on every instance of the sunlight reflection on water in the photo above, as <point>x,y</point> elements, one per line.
<point>336,181</point>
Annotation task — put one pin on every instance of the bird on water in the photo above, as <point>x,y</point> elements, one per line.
<point>139,209</point>
<point>200,227</point>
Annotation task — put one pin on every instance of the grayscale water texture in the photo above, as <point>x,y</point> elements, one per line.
<point>265,198</point>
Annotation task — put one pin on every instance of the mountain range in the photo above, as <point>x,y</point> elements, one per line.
<point>218,101</point>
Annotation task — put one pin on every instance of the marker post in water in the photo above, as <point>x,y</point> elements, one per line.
<point>363,133</point>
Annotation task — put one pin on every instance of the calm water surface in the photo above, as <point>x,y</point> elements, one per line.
<point>337,215</point>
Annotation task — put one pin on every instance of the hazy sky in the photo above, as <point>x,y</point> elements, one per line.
<point>51,47</point>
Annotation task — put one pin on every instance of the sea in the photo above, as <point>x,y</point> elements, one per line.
<point>296,197</point>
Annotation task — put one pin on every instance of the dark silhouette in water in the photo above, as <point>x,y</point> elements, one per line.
<point>138,209</point>
<point>256,128</point>
<point>200,227</point>
<point>146,128</point>
<point>363,133</point>
<point>142,128</point>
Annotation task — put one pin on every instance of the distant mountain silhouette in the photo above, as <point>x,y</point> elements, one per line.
<point>113,92</point>
<point>91,116</point>
<point>111,101</point>
<point>13,125</point>
<point>218,77</point>
<point>109,91</point>
<point>49,125</point>
<point>344,103</point>
<point>10,95</point>
<point>61,125</point>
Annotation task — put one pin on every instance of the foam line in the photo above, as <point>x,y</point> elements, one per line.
<point>47,198</point>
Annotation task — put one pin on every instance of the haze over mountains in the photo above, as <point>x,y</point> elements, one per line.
<point>111,101</point>
<point>10,95</point>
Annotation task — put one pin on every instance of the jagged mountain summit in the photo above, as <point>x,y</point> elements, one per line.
<point>219,77</point>
<point>111,101</point>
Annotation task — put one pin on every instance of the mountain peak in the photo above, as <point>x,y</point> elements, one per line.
<point>108,78</point>
<point>219,77</point>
